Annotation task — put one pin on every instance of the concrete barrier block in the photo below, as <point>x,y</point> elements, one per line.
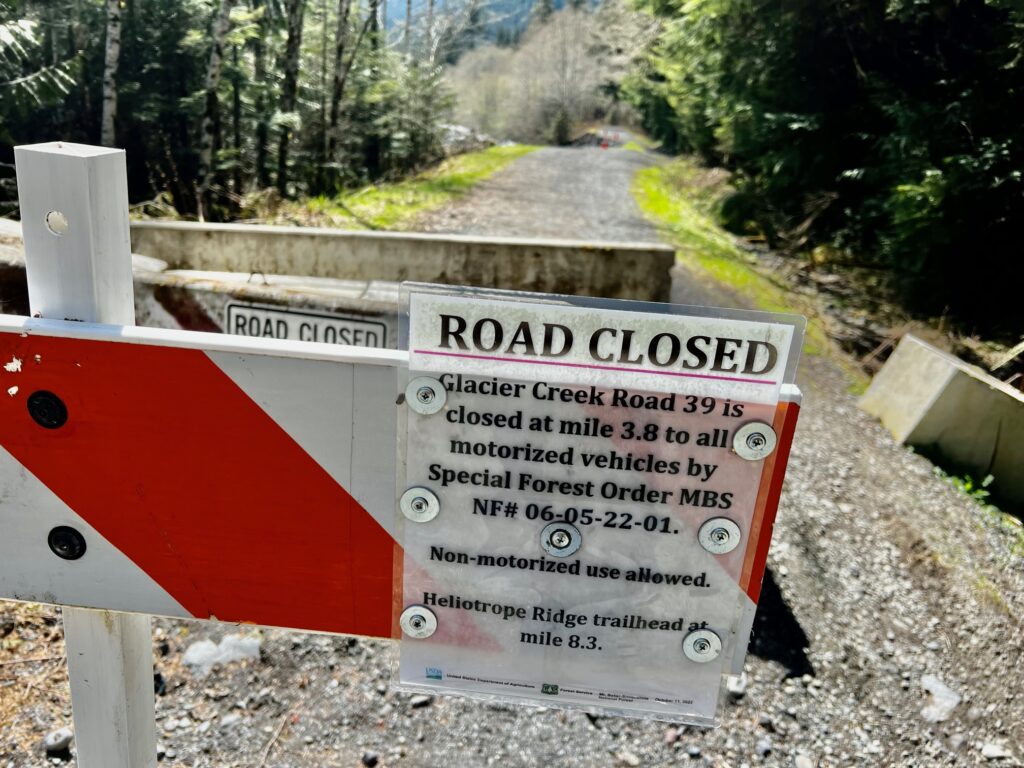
<point>612,270</point>
<point>932,400</point>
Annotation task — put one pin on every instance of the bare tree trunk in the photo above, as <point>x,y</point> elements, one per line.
<point>236,119</point>
<point>384,21</point>
<point>259,55</point>
<point>341,70</point>
<point>430,31</point>
<point>321,174</point>
<point>211,115</point>
<point>110,62</point>
<point>290,87</point>
<point>407,36</point>
<point>373,144</point>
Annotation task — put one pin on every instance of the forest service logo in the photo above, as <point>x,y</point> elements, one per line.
<point>549,689</point>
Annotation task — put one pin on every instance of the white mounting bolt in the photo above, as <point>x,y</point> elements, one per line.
<point>702,645</point>
<point>420,505</point>
<point>425,395</point>
<point>560,539</point>
<point>754,441</point>
<point>418,622</point>
<point>719,535</point>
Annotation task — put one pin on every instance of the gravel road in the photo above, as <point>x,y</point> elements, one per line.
<point>577,193</point>
<point>882,577</point>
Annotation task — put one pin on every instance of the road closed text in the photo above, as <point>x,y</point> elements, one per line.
<point>608,345</point>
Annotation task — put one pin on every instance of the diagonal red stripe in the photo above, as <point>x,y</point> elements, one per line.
<point>181,471</point>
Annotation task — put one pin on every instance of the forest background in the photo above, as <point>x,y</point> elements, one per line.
<point>882,135</point>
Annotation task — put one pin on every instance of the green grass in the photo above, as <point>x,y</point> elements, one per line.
<point>397,205</point>
<point>680,197</point>
<point>634,146</point>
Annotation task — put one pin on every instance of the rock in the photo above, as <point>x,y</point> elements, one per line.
<point>370,759</point>
<point>942,699</point>
<point>204,655</point>
<point>671,736</point>
<point>57,742</point>
<point>7,625</point>
<point>736,687</point>
<point>763,747</point>
<point>992,751</point>
<point>628,758</point>
<point>419,702</point>
<point>230,721</point>
<point>766,722</point>
<point>803,761</point>
<point>693,751</point>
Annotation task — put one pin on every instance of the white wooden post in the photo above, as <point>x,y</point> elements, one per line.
<point>74,214</point>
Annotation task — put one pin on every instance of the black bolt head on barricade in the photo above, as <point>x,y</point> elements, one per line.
<point>47,410</point>
<point>66,543</point>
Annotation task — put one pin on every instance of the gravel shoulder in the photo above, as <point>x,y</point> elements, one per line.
<point>882,577</point>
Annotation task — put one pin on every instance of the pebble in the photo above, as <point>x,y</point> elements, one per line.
<point>942,699</point>
<point>58,741</point>
<point>693,751</point>
<point>763,747</point>
<point>736,687</point>
<point>628,758</point>
<point>230,721</point>
<point>671,736</point>
<point>803,761</point>
<point>993,751</point>
<point>766,722</point>
<point>370,759</point>
<point>418,702</point>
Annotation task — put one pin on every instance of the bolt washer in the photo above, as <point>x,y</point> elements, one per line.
<point>560,539</point>
<point>702,645</point>
<point>420,505</point>
<point>425,395</point>
<point>418,622</point>
<point>719,535</point>
<point>754,441</point>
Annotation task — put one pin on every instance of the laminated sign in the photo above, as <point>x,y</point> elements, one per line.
<point>588,494</point>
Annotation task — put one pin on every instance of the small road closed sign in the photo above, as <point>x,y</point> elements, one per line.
<point>269,322</point>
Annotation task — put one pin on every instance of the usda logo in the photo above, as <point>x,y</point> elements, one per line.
<point>550,689</point>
